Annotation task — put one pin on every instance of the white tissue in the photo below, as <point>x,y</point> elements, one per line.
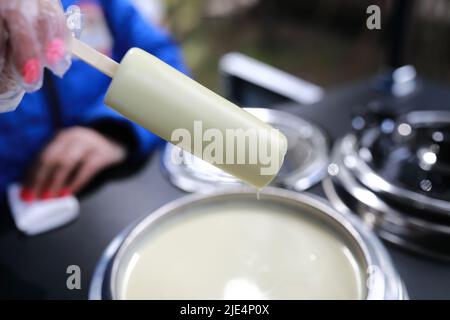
<point>43,215</point>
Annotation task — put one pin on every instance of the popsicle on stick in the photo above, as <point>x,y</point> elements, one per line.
<point>163,100</point>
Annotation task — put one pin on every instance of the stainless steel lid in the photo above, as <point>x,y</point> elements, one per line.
<point>419,230</point>
<point>305,161</point>
<point>406,160</point>
<point>381,278</point>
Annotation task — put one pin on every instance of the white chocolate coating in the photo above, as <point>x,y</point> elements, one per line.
<point>240,251</point>
<point>161,99</point>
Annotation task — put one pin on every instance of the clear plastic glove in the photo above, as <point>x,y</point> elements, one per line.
<point>33,35</point>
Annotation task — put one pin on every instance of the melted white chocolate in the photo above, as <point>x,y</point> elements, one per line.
<point>240,251</point>
<point>163,100</point>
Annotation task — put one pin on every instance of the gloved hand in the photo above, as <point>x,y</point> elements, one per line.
<point>33,35</point>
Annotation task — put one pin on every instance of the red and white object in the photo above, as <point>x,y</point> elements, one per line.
<point>34,216</point>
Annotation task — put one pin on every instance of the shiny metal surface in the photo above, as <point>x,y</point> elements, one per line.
<point>382,279</point>
<point>404,158</point>
<point>305,162</point>
<point>417,232</point>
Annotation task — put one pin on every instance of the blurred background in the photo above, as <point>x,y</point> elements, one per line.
<point>325,42</point>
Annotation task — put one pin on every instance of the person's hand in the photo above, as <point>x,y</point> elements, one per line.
<point>74,157</point>
<point>33,35</point>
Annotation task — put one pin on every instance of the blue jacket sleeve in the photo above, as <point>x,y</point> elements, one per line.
<point>122,15</point>
<point>139,141</point>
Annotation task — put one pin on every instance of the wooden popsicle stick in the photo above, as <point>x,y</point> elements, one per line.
<point>94,58</point>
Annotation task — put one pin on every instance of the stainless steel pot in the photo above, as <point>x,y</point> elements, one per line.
<point>425,232</point>
<point>408,166</point>
<point>381,278</point>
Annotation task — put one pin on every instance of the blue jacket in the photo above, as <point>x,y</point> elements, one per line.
<point>77,99</point>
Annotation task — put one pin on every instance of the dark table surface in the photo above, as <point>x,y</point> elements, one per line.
<point>35,267</point>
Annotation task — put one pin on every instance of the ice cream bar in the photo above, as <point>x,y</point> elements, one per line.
<point>178,109</point>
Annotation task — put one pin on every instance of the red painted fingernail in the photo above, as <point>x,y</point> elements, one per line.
<point>65,192</point>
<point>46,195</point>
<point>31,71</point>
<point>27,195</point>
<point>55,51</point>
